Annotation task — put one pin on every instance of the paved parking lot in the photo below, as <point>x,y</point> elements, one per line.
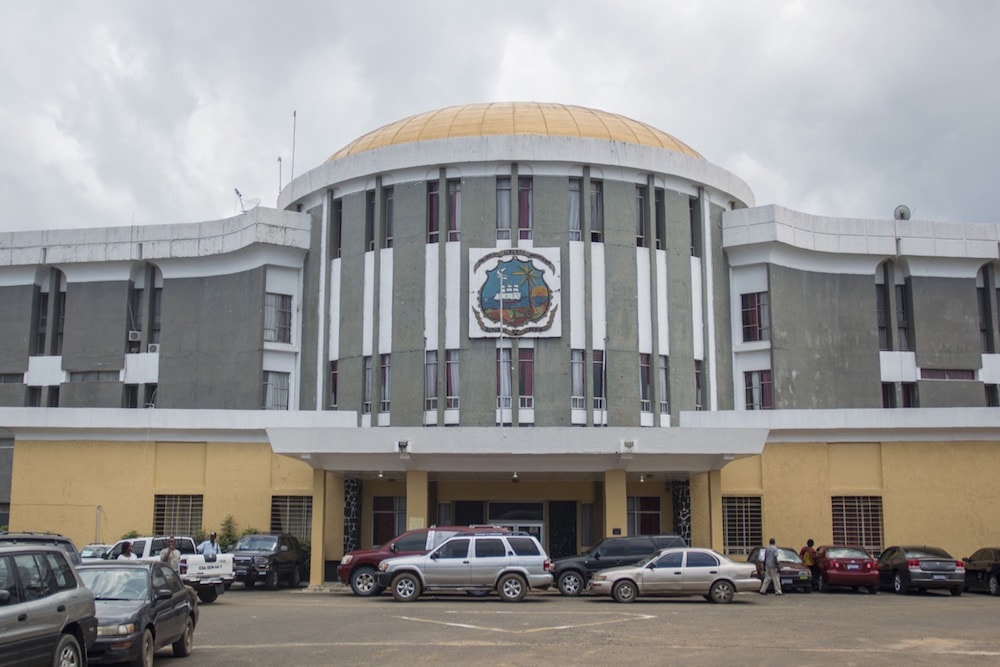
<point>333,627</point>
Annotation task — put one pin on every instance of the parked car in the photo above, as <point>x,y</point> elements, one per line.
<point>902,568</point>
<point>270,558</point>
<point>678,572</point>
<point>94,552</point>
<point>845,565</point>
<point>47,615</point>
<point>572,573</point>
<point>794,574</point>
<point>982,570</point>
<point>209,576</point>
<point>141,607</point>
<point>37,539</point>
<point>511,564</point>
<point>359,568</point>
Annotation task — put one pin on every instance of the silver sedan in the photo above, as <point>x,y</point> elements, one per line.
<point>678,572</point>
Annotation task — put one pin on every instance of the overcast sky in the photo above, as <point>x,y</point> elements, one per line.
<point>114,113</point>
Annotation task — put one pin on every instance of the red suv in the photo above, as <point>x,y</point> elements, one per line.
<point>360,568</point>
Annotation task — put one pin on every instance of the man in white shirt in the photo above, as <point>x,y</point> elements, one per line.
<point>210,547</point>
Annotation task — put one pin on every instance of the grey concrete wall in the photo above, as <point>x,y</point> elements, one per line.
<point>211,342</point>
<point>950,394</point>
<point>96,327</point>
<point>92,395</point>
<point>17,306</point>
<point>679,306</point>
<point>351,302</point>
<point>723,376</point>
<point>310,314</point>
<point>13,395</point>
<point>945,322</point>
<point>824,340</point>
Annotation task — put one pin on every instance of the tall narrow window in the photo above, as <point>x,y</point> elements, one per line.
<point>985,335</point>
<point>663,384</point>
<point>454,210</point>
<point>882,315</point>
<point>334,371</point>
<point>742,529</point>
<point>524,216</point>
<point>641,233</point>
<point>149,396</point>
<point>370,220</point>
<point>503,378</point>
<point>575,208</point>
<point>643,515</point>
<point>596,211</point>
<point>526,377</point>
<point>758,390</point>
<point>992,395</point>
<point>277,318</point>
<point>598,375</point>
<point>385,374</point>
<point>59,315</point>
<point>336,228</point>
<point>389,517</point>
<point>699,398</point>
<point>660,211</point>
<point>452,385</point>
<point>756,317</point>
<point>888,395</point>
<point>430,380</point>
<point>135,309</point>
<point>53,398</point>
<point>155,305</point>
<point>130,398</point>
<point>503,208</point>
<point>903,317</point>
<point>908,391</point>
<point>694,215</point>
<point>366,386</point>
<point>645,388</point>
<point>41,322</point>
<point>578,390</point>
<point>433,211</point>
<point>275,391</point>
<point>387,216</point>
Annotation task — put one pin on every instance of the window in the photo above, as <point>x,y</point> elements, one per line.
<point>992,395</point>
<point>524,220</point>
<point>336,228</point>
<point>177,514</point>
<point>366,386</point>
<point>334,369</point>
<point>454,210</point>
<point>385,375</point>
<point>275,391</point>
<point>53,397</point>
<point>526,377</point>
<point>699,399</point>
<point>452,385</point>
<point>694,214</point>
<point>503,378</point>
<point>523,546</point>
<point>596,211</point>
<point>292,514</point>
<point>903,317</point>
<point>149,396</point>
<point>985,335</point>
<point>578,381</point>
<point>11,378</point>
<point>458,548</point>
<point>34,399</point>
<point>663,384</point>
<point>387,216</point>
<point>701,559</point>
<point>277,318</point>
<point>759,395</point>
<point>130,398</point>
<point>41,322</point>
<point>756,317</point>
<point>155,302</point>
<point>575,209</point>
<point>858,520</point>
<point>660,213</point>
<point>909,394</point>
<point>433,211</point>
<point>881,307</point>
<point>643,515</point>
<point>947,374</point>
<point>490,548</point>
<point>135,309</point>
<point>59,314</point>
<point>645,388</point>
<point>430,380</point>
<point>389,517</point>
<point>94,376</point>
<point>888,395</point>
<point>370,220</point>
<point>641,224</point>
<point>503,208</point>
<point>598,376</point>
<point>741,524</point>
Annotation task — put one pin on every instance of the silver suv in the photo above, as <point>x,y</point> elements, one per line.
<point>510,564</point>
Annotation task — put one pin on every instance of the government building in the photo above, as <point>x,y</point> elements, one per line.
<point>541,316</point>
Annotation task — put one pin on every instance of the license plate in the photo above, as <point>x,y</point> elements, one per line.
<point>852,567</point>
<point>241,572</point>
<point>803,575</point>
<point>786,581</point>
<point>939,577</point>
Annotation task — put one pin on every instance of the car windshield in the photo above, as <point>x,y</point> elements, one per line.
<point>648,559</point>
<point>257,543</point>
<point>93,552</point>
<point>116,583</point>
<point>788,556</point>
<point>846,552</point>
<point>926,552</point>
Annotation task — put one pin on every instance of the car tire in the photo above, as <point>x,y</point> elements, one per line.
<point>722,592</point>
<point>406,587</point>
<point>146,649</point>
<point>249,583</point>
<point>898,585</point>
<point>228,585</point>
<point>296,578</point>
<point>956,591</point>
<point>873,590</point>
<point>994,585</point>
<point>208,594</point>
<point>570,583</point>
<point>364,582</point>
<point>271,580</point>
<point>625,591</point>
<point>68,653</point>
<point>512,588</point>
<point>182,647</point>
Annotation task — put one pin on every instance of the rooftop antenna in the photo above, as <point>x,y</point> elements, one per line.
<point>240,195</point>
<point>279,175</point>
<point>902,212</point>
<point>292,177</point>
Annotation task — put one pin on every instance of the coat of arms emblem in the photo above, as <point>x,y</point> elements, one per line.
<point>515,293</point>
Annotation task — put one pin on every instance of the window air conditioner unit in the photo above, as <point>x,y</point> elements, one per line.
<point>153,348</point>
<point>134,336</point>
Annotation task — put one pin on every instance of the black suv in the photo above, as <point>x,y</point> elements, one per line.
<point>573,572</point>
<point>270,558</point>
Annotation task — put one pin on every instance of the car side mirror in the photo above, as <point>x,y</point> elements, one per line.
<point>597,555</point>
<point>966,559</point>
<point>435,556</point>
<point>393,548</point>
<point>4,597</point>
<point>163,594</point>
<point>283,548</point>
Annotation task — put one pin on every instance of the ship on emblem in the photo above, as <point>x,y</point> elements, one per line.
<point>518,287</point>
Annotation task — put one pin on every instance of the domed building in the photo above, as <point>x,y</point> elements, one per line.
<point>542,316</point>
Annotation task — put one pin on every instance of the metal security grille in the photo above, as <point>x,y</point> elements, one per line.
<point>858,520</point>
<point>741,524</point>
<point>292,514</point>
<point>177,515</point>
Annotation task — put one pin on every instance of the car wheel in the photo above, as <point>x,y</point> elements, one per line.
<point>406,587</point>
<point>68,653</point>
<point>899,585</point>
<point>873,590</point>
<point>994,585</point>
<point>956,591</point>
<point>208,594</point>
<point>570,583</point>
<point>722,592</point>
<point>271,580</point>
<point>624,591</point>
<point>364,583</point>
<point>512,588</point>
<point>182,647</point>
<point>145,656</point>
<point>227,585</point>
<point>296,577</point>
<point>249,583</point>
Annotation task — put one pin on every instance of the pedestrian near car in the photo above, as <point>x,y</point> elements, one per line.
<point>127,553</point>
<point>809,558</point>
<point>771,573</point>
<point>210,547</point>
<point>171,556</point>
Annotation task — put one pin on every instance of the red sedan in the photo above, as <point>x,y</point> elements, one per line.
<point>849,566</point>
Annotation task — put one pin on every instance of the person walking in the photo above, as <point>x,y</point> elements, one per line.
<point>210,547</point>
<point>808,556</point>
<point>771,573</point>
<point>171,556</point>
<point>127,553</point>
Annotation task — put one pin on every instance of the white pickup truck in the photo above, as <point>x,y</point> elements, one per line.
<point>209,577</point>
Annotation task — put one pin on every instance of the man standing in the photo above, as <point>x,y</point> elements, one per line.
<point>771,569</point>
<point>210,547</point>
<point>808,556</point>
<point>171,556</point>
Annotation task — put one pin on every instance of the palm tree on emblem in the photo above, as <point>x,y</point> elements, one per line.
<point>530,276</point>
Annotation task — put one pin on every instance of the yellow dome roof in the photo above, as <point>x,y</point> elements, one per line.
<point>505,118</point>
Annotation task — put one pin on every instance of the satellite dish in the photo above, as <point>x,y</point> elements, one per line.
<point>902,212</point>
<point>254,202</point>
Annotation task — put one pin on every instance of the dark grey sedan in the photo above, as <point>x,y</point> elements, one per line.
<point>905,568</point>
